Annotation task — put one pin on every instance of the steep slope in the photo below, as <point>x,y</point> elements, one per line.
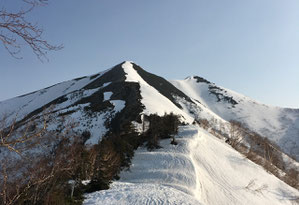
<point>99,102</point>
<point>21,106</point>
<point>95,102</point>
<point>280,125</point>
<point>152,98</point>
<point>199,170</point>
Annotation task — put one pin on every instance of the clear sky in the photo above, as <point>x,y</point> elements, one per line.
<point>250,46</point>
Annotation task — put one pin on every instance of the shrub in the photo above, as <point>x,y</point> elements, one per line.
<point>161,128</point>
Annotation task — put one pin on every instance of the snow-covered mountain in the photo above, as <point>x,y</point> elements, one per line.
<point>280,125</point>
<point>201,169</point>
<point>125,90</point>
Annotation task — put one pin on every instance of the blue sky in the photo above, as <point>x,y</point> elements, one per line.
<point>251,47</point>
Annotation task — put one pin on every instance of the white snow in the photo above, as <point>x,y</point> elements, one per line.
<point>85,182</point>
<point>118,105</point>
<point>280,125</point>
<point>19,107</point>
<point>153,101</point>
<point>122,193</point>
<point>74,96</point>
<point>201,169</point>
<point>97,129</point>
<point>107,95</point>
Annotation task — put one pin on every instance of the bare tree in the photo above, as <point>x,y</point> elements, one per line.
<point>236,133</point>
<point>17,142</point>
<point>204,123</point>
<point>25,176</point>
<point>37,180</point>
<point>17,136</point>
<point>15,29</point>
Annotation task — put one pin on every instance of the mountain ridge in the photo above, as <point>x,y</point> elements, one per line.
<point>192,98</point>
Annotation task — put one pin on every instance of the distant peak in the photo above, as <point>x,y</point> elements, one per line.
<point>198,79</point>
<point>189,78</point>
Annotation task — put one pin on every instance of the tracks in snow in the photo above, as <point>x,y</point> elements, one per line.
<point>201,169</point>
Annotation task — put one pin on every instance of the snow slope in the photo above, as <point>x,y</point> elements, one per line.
<point>153,101</point>
<point>201,169</point>
<point>122,193</point>
<point>74,90</point>
<point>91,101</point>
<point>280,125</point>
<point>20,106</point>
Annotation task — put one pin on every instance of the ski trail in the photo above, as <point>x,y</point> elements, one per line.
<point>192,146</point>
<point>208,174</point>
<point>222,175</point>
<point>201,169</point>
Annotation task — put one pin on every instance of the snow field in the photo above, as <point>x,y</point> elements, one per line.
<point>122,193</point>
<point>19,107</point>
<point>280,125</point>
<point>201,169</point>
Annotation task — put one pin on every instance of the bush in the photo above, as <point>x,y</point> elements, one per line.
<point>161,128</point>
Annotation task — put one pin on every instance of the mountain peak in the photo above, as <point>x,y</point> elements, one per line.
<point>127,62</point>
<point>198,79</point>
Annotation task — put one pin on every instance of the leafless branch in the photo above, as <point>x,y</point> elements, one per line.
<point>18,142</point>
<point>33,177</point>
<point>14,28</point>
